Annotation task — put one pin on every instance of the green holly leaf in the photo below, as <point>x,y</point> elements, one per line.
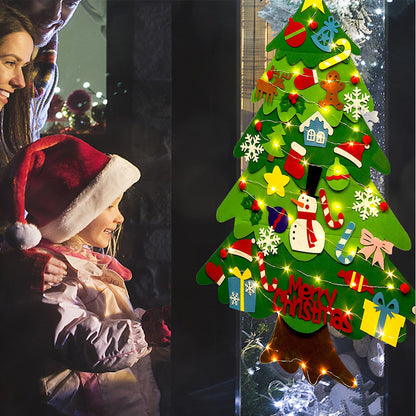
<point>256,217</point>
<point>285,104</point>
<point>300,105</point>
<point>247,202</point>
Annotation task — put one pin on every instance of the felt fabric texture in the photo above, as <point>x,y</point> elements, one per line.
<point>304,126</point>
<point>314,352</point>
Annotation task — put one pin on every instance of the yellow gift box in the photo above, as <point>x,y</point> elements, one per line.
<point>380,322</point>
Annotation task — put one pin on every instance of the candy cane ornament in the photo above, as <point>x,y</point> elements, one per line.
<point>337,58</point>
<point>327,214</point>
<point>263,278</point>
<point>341,245</point>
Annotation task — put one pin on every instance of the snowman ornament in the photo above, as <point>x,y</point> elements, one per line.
<point>306,234</point>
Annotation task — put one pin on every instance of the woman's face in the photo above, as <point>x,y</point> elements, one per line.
<point>15,52</point>
<point>98,232</point>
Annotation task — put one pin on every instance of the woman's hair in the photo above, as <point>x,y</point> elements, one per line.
<point>15,120</point>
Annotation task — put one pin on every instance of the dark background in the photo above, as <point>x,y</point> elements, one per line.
<point>173,88</point>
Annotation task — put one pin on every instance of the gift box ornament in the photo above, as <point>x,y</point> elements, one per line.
<point>242,291</point>
<point>382,321</point>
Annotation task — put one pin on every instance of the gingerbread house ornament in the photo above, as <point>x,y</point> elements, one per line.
<point>316,130</point>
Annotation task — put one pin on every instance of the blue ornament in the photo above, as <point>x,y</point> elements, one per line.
<point>278,219</point>
<point>325,37</point>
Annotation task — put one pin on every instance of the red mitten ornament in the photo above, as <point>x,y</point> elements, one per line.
<point>307,79</point>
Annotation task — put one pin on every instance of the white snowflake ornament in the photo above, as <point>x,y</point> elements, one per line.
<point>252,148</point>
<point>366,203</point>
<point>356,103</point>
<point>250,287</point>
<point>234,298</point>
<point>268,241</point>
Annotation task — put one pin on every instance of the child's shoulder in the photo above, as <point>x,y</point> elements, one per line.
<point>113,264</point>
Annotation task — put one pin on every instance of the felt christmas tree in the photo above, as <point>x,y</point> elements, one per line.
<point>312,233</point>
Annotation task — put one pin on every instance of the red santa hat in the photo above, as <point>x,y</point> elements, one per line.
<point>242,248</point>
<point>63,184</point>
<point>353,151</point>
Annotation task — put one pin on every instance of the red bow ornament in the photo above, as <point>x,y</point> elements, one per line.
<point>374,245</point>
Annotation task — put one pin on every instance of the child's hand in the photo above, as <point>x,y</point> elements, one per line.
<point>155,328</point>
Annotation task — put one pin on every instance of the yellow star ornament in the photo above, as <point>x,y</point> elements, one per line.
<point>315,3</point>
<point>276,182</point>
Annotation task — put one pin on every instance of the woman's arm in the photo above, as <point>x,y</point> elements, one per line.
<point>31,270</point>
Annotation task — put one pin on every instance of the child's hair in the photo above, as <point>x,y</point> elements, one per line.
<point>15,117</point>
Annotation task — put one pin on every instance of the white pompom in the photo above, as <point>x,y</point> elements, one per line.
<point>23,236</point>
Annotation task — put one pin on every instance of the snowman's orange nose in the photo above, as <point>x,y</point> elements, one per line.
<point>298,203</point>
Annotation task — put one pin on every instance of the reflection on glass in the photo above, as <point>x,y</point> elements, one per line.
<point>79,102</point>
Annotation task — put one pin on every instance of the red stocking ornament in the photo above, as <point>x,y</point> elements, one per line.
<point>293,164</point>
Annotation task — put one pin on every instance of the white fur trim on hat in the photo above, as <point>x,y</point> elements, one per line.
<point>116,177</point>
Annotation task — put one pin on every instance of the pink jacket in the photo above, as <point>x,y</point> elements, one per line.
<point>100,363</point>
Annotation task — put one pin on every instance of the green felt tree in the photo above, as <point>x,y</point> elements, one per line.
<point>311,231</point>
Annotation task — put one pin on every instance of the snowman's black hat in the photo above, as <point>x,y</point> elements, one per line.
<point>312,180</point>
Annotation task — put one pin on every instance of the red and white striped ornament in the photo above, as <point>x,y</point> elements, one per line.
<point>263,278</point>
<point>327,214</point>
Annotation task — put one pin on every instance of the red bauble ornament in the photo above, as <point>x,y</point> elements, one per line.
<point>355,79</point>
<point>313,25</point>
<point>242,185</point>
<point>223,253</point>
<point>384,206</point>
<point>295,33</point>
<point>270,75</point>
<point>404,288</point>
<point>255,206</point>
<point>79,101</point>
<point>258,125</point>
<point>367,140</point>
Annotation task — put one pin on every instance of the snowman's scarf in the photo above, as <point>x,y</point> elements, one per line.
<point>309,217</point>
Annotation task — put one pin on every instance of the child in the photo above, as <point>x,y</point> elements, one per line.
<point>95,359</point>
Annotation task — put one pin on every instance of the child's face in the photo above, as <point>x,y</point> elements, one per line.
<point>98,232</point>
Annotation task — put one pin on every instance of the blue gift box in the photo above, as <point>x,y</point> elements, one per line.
<point>242,294</point>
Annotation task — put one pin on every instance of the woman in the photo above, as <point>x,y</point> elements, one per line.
<point>16,47</point>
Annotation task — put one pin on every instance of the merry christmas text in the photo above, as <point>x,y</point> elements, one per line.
<point>310,304</point>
